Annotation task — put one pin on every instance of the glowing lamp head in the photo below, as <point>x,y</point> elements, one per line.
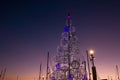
<point>91,52</point>
<point>43,77</point>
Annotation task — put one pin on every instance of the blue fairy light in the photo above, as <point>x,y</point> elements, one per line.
<point>58,66</point>
<point>53,78</point>
<point>85,77</point>
<point>70,77</point>
<point>66,29</point>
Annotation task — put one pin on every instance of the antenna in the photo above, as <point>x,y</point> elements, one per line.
<point>68,19</point>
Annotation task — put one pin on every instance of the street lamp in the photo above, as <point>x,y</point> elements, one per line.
<point>91,52</point>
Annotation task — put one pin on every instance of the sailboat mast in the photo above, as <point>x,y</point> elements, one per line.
<point>4,74</point>
<point>117,72</point>
<point>1,74</point>
<point>40,72</point>
<point>17,77</point>
<point>47,66</point>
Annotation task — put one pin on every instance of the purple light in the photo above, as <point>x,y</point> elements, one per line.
<point>70,77</point>
<point>58,66</point>
<point>85,77</point>
<point>68,17</point>
<point>53,78</point>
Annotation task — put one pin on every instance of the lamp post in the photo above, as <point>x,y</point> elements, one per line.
<point>93,65</point>
<point>89,74</point>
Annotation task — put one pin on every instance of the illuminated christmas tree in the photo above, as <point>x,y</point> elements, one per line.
<point>69,63</point>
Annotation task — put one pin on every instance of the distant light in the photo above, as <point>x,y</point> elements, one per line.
<point>43,77</point>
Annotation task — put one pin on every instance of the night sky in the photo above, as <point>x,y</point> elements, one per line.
<point>31,28</point>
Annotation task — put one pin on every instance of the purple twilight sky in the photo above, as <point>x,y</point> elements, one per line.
<point>29,29</point>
